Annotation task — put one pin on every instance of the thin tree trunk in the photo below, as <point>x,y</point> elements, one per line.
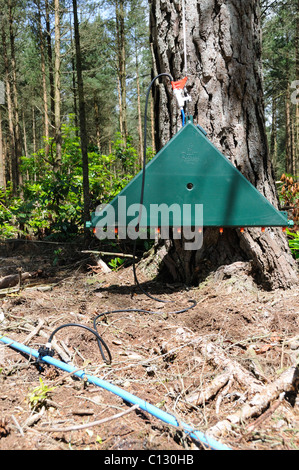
<point>33,130</point>
<point>288,159</point>
<point>15,104</point>
<point>121,56</point>
<point>293,135</point>
<point>44,81</point>
<point>82,119</point>
<point>50,65</point>
<point>34,137</point>
<point>273,139</point>
<point>24,135</point>
<point>97,122</point>
<point>12,170</point>
<point>120,107</point>
<point>2,156</point>
<point>153,126</point>
<point>140,152</point>
<point>296,165</point>
<point>225,82</point>
<point>57,85</point>
<point>74,83</point>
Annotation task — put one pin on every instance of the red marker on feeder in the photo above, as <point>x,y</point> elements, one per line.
<point>116,231</point>
<point>263,229</point>
<point>284,229</point>
<point>221,230</point>
<point>242,229</point>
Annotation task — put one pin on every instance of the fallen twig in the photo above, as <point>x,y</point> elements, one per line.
<point>88,425</point>
<point>17,425</point>
<point>108,253</point>
<point>34,332</point>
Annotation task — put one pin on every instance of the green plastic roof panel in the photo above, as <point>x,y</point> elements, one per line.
<point>191,171</point>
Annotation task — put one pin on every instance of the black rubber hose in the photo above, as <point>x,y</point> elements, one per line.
<point>94,332</point>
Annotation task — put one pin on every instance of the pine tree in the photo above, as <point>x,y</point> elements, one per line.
<point>226,84</point>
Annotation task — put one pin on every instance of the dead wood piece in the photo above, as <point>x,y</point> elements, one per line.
<point>83,412</point>
<point>13,280</point>
<point>103,266</point>
<point>219,358</point>
<point>287,382</point>
<point>34,418</point>
<point>199,398</point>
<point>34,332</point>
<point>57,348</point>
<point>266,415</point>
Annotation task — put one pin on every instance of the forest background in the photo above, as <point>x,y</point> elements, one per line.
<point>73,80</point>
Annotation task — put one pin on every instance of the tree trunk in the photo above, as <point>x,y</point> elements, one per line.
<point>74,83</point>
<point>121,59</point>
<point>2,156</point>
<point>50,65</point>
<point>82,119</point>
<point>44,81</point>
<point>288,146</point>
<point>14,100</point>
<point>57,85</point>
<point>140,150</point>
<point>12,164</point>
<point>296,163</point>
<point>223,41</point>
<point>97,122</point>
<point>273,139</point>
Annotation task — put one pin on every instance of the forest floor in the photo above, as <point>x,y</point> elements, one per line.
<point>228,356</point>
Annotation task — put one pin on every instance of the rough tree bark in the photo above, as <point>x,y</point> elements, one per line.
<point>225,83</point>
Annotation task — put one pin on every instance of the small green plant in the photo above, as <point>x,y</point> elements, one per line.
<point>57,254</point>
<point>294,242</point>
<point>39,395</point>
<point>116,263</point>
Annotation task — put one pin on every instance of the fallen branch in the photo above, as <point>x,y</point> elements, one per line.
<point>220,359</point>
<point>34,418</point>
<point>88,425</point>
<point>266,415</point>
<point>202,397</point>
<point>108,253</point>
<point>13,280</point>
<point>287,382</point>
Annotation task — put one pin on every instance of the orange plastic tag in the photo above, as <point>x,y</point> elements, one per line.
<point>179,85</point>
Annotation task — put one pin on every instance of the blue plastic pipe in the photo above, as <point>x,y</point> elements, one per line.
<point>128,397</point>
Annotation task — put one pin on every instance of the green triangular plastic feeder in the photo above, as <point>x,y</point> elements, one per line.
<point>190,170</point>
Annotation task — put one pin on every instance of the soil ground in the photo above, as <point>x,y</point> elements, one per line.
<point>155,356</point>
